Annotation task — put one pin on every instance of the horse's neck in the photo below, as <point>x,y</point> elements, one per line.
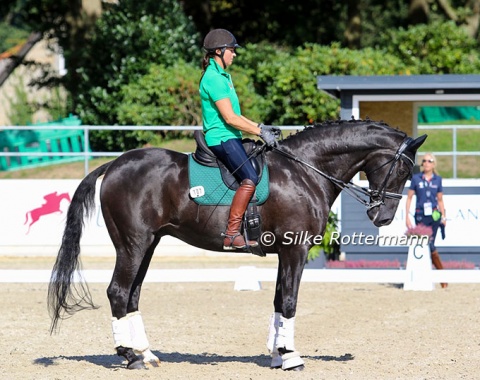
<point>337,158</point>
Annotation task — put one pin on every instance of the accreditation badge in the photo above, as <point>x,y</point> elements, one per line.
<point>427,208</point>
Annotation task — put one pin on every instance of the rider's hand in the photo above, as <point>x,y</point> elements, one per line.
<point>275,130</point>
<point>268,137</point>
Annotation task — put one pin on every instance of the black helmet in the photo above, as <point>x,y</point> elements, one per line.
<point>219,39</point>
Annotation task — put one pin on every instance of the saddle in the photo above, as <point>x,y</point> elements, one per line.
<point>204,156</point>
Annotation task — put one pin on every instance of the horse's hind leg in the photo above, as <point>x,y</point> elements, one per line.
<point>124,294</point>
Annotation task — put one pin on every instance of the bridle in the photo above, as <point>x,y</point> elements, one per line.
<point>378,196</point>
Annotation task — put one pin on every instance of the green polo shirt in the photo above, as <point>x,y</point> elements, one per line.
<point>216,85</point>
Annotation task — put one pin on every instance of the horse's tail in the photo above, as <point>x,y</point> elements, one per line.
<point>65,297</point>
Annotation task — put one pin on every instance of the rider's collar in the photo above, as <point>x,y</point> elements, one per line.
<point>215,66</point>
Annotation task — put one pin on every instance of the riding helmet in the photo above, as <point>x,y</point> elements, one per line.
<point>219,39</point>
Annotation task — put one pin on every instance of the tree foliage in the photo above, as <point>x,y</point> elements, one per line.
<point>136,37</point>
<point>125,42</point>
<point>437,48</point>
<point>139,62</point>
<point>288,80</point>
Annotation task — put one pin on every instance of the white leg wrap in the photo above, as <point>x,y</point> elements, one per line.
<point>137,332</point>
<point>121,332</point>
<point>286,334</point>
<point>129,331</point>
<point>273,331</point>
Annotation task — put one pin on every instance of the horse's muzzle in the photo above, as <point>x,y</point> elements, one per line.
<point>380,216</point>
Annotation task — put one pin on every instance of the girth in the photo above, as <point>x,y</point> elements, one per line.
<point>204,156</point>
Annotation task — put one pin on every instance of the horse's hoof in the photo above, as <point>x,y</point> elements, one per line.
<point>297,369</point>
<point>149,359</point>
<point>151,363</point>
<point>276,361</point>
<point>137,364</point>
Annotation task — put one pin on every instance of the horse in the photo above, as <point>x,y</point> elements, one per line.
<point>51,205</point>
<point>145,195</point>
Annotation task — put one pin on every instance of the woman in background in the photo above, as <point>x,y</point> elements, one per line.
<point>429,207</point>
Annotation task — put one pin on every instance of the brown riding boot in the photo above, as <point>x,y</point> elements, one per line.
<point>233,237</point>
<point>437,263</point>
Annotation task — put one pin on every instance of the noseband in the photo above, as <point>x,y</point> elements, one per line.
<point>378,196</point>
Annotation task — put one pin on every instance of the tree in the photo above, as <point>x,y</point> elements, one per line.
<point>466,14</point>
<point>125,42</point>
<point>437,48</point>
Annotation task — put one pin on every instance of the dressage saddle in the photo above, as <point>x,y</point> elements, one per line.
<point>204,156</point>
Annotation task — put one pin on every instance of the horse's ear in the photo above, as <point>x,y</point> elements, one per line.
<point>415,144</point>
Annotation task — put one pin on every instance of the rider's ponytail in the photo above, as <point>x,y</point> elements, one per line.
<point>205,63</point>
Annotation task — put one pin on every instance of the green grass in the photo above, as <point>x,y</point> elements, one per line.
<point>441,140</point>
<point>76,170</point>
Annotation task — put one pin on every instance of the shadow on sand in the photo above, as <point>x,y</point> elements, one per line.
<point>113,361</point>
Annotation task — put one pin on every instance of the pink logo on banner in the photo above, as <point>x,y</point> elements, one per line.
<point>51,205</point>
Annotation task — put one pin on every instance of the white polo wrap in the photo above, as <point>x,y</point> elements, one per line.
<point>286,334</point>
<point>121,332</point>
<point>137,332</point>
<point>129,332</point>
<point>273,331</point>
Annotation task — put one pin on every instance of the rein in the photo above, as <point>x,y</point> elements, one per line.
<point>356,191</point>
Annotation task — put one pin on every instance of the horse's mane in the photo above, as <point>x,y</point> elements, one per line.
<point>330,124</point>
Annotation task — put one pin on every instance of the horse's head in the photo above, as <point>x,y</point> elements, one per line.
<point>387,171</point>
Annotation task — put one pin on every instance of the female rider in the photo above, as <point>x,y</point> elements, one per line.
<point>223,125</point>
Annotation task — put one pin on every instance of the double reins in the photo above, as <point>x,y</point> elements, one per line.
<point>356,191</point>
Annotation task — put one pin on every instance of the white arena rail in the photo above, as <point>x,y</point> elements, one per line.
<point>393,276</point>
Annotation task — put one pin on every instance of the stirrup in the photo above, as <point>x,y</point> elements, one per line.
<point>231,247</point>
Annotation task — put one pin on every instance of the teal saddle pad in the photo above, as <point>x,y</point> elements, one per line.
<point>215,190</point>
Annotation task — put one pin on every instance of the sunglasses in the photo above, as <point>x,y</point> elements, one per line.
<point>431,161</point>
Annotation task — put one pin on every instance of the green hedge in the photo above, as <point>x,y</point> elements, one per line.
<point>278,85</point>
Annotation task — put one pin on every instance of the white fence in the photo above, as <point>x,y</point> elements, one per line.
<point>87,154</point>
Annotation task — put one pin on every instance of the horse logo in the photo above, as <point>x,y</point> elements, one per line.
<point>51,205</point>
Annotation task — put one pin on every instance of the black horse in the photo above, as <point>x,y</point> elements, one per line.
<point>145,195</point>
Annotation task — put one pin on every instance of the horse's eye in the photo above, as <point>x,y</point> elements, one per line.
<point>402,172</point>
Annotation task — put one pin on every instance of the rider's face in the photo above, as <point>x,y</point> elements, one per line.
<point>228,56</point>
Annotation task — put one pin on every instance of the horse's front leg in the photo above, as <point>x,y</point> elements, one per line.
<point>281,336</point>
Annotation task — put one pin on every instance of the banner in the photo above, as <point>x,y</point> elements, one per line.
<point>33,218</point>
<point>463,221</point>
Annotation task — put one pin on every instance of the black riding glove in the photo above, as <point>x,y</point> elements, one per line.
<point>268,136</point>
<point>275,130</point>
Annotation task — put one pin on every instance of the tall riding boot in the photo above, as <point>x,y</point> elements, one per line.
<point>437,263</point>
<point>233,237</point>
